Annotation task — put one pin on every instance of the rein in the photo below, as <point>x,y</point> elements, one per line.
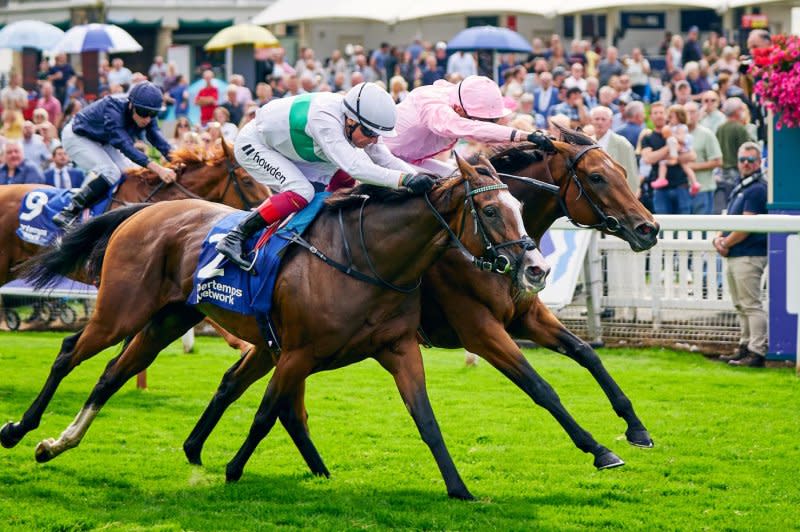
<point>495,262</point>
<point>231,179</point>
<point>606,223</point>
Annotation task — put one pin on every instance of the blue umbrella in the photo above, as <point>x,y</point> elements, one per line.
<point>501,40</point>
<point>30,34</point>
<point>97,38</point>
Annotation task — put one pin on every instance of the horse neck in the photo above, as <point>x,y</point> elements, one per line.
<point>540,209</point>
<point>134,189</point>
<point>403,239</point>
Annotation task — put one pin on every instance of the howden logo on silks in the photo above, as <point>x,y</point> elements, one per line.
<point>274,171</point>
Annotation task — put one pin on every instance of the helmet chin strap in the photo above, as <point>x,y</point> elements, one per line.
<point>350,128</point>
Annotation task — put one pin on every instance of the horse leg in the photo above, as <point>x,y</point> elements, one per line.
<point>167,325</point>
<point>236,343</point>
<point>541,326</point>
<point>81,346</point>
<point>247,370</point>
<point>68,358</point>
<point>404,362</point>
<point>488,338</point>
<point>295,420</point>
<point>290,372</point>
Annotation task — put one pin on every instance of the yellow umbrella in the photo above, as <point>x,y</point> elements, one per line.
<point>242,34</point>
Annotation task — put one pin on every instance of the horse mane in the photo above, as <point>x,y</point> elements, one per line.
<point>573,136</point>
<point>351,198</point>
<point>181,158</point>
<point>512,158</point>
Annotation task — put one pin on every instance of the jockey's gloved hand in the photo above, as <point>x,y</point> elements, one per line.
<point>418,183</point>
<point>541,141</point>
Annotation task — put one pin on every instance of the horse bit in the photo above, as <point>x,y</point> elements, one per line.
<point>494,262</point>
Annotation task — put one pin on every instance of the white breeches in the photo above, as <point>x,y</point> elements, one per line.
<point>274,170</point>
<point>91,156</point>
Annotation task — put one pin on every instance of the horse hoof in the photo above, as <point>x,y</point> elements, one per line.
<point>232,475</point>
<point>608,460</point>
<point>462,494</point>
<point>44,452</point>
<point>640,438</point>
<point>192,454</point>
<point>7,437</point>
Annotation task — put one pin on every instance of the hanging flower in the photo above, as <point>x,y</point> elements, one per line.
<point>776,70</point>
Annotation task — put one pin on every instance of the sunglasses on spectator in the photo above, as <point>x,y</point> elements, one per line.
<point>367,132</point>
<point>750,159</point>
<point>709,100</point>
<point>182,125</point>
<point>145,113</point>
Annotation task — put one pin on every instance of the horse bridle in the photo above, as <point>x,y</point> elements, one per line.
<point>491,260</point>
<point>606,223</point>
<point>232,179</point>
<point>495,261</point>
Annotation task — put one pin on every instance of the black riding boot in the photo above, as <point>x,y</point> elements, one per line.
<point>232,246</point>
<point>85,197</point>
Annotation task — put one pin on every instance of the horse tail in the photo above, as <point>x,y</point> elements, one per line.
<point>80,248</point>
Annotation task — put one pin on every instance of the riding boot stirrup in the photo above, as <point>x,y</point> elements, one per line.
<point>85,197</point>
<point>232,245</point>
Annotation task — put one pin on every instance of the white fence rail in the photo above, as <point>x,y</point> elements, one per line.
<point>679,285</point>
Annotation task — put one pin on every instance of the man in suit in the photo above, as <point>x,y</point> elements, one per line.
<point>616,145</point>
<point>545,97</point>
<point>61,173</point>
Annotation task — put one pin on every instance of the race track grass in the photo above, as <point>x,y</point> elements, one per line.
<point>726,457</point>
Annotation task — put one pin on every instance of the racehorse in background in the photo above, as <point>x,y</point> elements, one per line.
<point>214,177</point>
<point>323,318</point>
<point>462,306</point>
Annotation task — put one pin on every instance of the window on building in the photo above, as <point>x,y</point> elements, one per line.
<point>591,26</point>
<point>487,20</point>
<point>704,19</point>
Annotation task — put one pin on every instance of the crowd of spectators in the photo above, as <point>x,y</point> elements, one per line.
<point>676,131</point>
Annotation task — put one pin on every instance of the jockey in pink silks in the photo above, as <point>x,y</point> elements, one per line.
<point>434,117</point>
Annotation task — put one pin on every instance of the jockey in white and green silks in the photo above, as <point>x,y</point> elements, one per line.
<point>294,141</point>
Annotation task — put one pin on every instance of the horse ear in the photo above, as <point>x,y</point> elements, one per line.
<point>466,169</point>
<point>485,162</point>
<point>226,149</point>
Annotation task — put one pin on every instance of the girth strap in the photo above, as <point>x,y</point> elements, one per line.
<point>350,270</point>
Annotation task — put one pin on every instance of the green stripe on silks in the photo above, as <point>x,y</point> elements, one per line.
<point>298,118</point>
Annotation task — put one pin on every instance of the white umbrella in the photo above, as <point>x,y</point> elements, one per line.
<point>30,34</point>
<point>97,38</point>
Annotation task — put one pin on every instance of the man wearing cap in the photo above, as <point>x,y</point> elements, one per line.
<point>432,118</point>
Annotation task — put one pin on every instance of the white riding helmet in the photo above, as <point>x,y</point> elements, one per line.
<point>372,107</point>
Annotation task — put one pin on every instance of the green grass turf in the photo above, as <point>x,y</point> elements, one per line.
<point>726,457</point>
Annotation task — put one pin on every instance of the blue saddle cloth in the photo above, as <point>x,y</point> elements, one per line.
<point>225,285</point>
<point>38,208</point>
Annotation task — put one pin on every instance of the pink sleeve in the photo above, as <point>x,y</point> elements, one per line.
<point>445,122</point>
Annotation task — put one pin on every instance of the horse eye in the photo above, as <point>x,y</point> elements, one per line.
<point>596,178</point>
<point>490,211</point>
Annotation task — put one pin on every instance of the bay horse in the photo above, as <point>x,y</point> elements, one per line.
<point>332,322</point>
<point>465,307</point>
<point>214,177</point>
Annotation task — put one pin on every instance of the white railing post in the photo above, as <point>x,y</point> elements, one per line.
<point>593,277</point>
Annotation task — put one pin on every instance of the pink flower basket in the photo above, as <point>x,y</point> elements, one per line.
<point>776,70</point>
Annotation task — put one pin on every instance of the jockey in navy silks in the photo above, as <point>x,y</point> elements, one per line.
<point>101,137</point>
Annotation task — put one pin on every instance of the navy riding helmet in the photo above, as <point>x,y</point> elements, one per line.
<point>146,99</point>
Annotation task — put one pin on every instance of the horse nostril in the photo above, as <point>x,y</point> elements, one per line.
<point>535,274</point>
<point>647,229</point>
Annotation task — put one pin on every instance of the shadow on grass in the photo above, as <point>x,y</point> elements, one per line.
<point>303,500</point>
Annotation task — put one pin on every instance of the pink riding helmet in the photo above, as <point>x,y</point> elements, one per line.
<point>479,97</point>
